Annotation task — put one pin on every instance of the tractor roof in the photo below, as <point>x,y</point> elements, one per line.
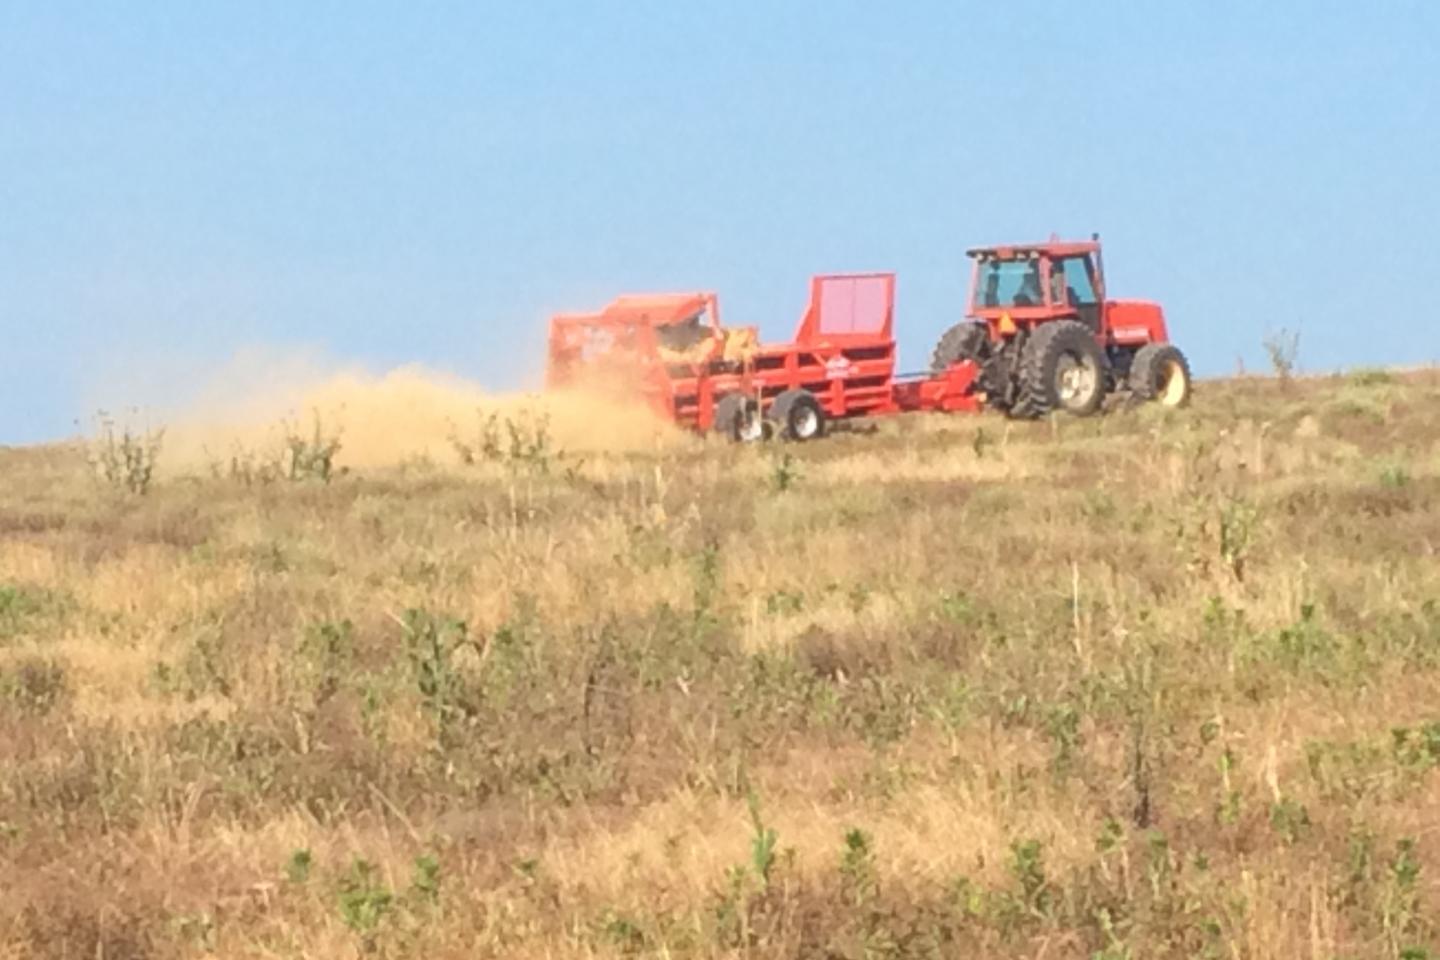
<point>1053,248</point>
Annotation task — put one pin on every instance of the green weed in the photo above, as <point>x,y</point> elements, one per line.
<point>1027,868</point>
<point>297,868</point>
<point>784,603</point>
<point>1395,476</point>
<point>310,456</point>
<point>363,899</point>
<point>1289,819</point>
<point>21,607</point>
<point>762,844</point>
<point>1416,749</point>
<point>1238,525</point>
<point>33,684</point>
<point>522,442</point>
<point>432,643</point>
<point>426,882</point>
<point>623,931</point>
<point>858,877</point>
<point>1400,901</point>
<point>784,473</point>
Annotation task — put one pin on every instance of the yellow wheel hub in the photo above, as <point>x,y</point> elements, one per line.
<point>1173,385</point>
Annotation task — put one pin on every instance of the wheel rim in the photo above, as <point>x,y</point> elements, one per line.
<point>805,423</point>
<point>752,426</point>
<point>1172,384</point>
<point>1075,379</point>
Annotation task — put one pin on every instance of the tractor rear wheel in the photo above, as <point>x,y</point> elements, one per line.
<point>798,415</point>
<point>964,341</point>
<point>1061,368</point>
<point>1160,372</point>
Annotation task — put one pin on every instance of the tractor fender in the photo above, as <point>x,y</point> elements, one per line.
<point>1134,323</point>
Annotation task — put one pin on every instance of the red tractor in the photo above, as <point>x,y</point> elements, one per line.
<point>1040,337</point>
<point>1044,337</point>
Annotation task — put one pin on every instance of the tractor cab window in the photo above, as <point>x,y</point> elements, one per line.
<point>1070,282</point>
<point>1009,283</point>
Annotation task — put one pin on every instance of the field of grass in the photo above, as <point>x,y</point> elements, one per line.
<point>1155,684</point>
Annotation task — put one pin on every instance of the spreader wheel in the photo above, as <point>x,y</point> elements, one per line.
<point>738,417</point>
<point>1160,372</point>
<point>798,415</point>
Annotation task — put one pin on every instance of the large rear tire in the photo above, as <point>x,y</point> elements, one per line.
<point>1061,368</point>
<point>964,341</point>
<point>798,415</point>
<point>1160,372</point>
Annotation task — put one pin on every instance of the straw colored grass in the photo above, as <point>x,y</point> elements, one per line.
<point>1160,683</point>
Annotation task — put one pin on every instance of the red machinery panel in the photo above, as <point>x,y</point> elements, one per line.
<point>846,306</point>
<point>1136,322</point>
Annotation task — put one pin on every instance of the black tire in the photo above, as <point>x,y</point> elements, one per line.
<point>964,341</point>
<point>1053,352</point>
<point>798,416</point>
<point>727,413</point>
<point>738,417</point>
<point>1160,372</point>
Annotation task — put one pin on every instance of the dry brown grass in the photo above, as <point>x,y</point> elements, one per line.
<point>1155,684</point>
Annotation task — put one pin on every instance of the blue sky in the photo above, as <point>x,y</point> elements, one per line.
<point>427,182</point>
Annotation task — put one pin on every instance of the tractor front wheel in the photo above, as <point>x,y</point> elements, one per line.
<point>798,415</point>
<point>1160,372</point>
<point>1061,368</point>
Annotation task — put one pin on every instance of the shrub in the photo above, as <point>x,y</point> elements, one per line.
<point>310,456</point>
<point>363,899</point>
<point>1283,348</point>
<point>518,442</point>
<point>125,459</point>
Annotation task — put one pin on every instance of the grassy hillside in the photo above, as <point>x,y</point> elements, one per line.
<point>1153,684</point>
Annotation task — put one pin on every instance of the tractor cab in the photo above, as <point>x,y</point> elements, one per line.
<point>1026,285</point>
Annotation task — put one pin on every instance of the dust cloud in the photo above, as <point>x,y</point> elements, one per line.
<point>250,407</point>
